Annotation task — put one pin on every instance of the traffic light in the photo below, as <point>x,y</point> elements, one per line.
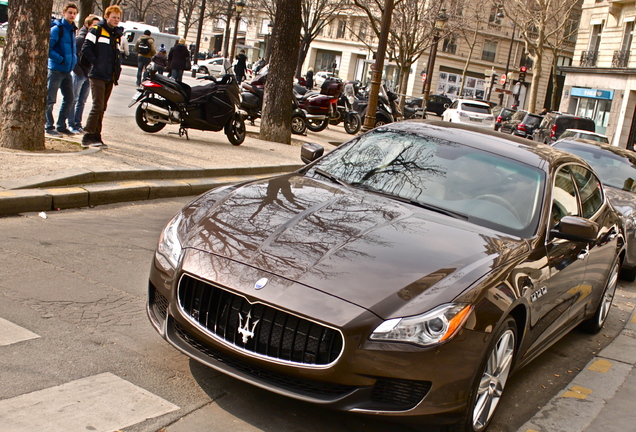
<point>522,74</point>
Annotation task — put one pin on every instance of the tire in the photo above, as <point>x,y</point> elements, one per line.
<point>491,380</point>
<point>235,130</point>
<point>594,324</point>
<point>204,70</point>
<point>144,124</point>
<point>298,125</point>
<point>316,126</point>
<point>352,124</point>
<point>379,122</point>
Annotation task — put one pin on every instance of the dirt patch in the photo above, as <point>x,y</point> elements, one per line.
<point>53,145</point>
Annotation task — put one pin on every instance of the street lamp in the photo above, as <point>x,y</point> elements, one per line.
<point>440,23</point>
<point>500,14</point>
<point>238,7</point>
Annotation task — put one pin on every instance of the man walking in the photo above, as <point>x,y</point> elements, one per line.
<point>102,49</point>
<point>145,48</point>
<point>81,85</point>
<point>62,60</point>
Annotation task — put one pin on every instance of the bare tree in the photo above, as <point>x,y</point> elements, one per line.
<point>538,21</point>
<point>469,31</point>
<point>23,79</point>
<point>277,107</point>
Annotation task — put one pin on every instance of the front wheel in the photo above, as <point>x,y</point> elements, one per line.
<point>317,125</point>
<point>235,130</point>
<point>298,125</point>
<point>352,123</point>
<point>203,70</point>
<point>595,324</point>
<point>145,124</point>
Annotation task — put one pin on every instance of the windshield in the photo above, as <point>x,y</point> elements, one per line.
<point>484,188</point>
<point>613,169</point>
<point>476,108</point>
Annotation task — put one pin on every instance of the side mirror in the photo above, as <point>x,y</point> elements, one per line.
<point>576,229</point>
<point>309,152</point>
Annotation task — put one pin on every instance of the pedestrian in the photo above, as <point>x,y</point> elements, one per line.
<point>160,60</point>
<point>102,49</point>
<point>309,78</point>
<point>145,48</point>
<point>544,111</point>
<point>81,84</point>
<point>178,57</point>
<point>62,60</point>
<point>241,66</point>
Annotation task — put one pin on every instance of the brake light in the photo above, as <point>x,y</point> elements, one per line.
<point>521,127</point>
<point>499,119</point>
<point>151,84</point>
<point>553,132</point>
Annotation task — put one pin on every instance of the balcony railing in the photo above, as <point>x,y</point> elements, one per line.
<point>620,59</point>
<point>588,58</point>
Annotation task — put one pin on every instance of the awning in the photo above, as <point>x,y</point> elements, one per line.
<point>246,46</point>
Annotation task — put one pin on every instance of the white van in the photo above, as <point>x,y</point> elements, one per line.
<point>134,30</point>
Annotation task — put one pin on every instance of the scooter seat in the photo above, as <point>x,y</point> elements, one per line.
<point>181,87</point>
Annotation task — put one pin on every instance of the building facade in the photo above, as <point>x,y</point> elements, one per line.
<point>601,84</point>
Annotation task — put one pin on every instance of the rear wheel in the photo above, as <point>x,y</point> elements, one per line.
<point>317,125</point>
<point>352,123</point>
<point>380,122</point>
<point>595,324</point>
<point>298,125</point>
<point>235,130</point>
<point>204,70</point>
<point>145,124</point>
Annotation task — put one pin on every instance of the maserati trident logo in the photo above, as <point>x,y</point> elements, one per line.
<point>244,330</point>
<point>260,284</point>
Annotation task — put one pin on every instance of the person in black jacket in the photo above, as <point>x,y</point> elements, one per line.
<point>81,84</point>
<point>101,49</point>
<point>241,66</point>
<point>177,58</point>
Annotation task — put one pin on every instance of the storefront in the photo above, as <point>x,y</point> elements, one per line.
<point>593,103</point>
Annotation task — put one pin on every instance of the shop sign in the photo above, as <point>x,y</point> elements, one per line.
<point>592,93</point>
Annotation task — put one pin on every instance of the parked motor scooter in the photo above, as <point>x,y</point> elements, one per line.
<point>387,110</point>
<point>210,107</point>
<point>321,107</point>
<point>345,112</point>
<point>252,93</point>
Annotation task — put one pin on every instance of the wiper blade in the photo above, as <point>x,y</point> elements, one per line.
<point>451,213</point>
<point>331,177</point>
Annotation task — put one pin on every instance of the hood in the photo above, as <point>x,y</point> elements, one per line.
<point>370,250</point>
<point>622,200</point>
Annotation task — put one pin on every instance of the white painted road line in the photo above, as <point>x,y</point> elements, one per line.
<point>11,333</point>
<point>100,403</point>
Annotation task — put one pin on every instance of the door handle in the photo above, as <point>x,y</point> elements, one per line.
<point>584,253</point>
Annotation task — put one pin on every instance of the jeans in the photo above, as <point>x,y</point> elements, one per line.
<point>62,81</point>
<point>81,86</point>
<point>101,93</point>
<point>177,74</point>
<point>142,64</point>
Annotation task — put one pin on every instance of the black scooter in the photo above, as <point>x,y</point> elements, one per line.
<point>387,110</point>
<point>209,107</point>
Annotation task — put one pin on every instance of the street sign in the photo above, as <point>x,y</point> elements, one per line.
<point>503,79</point>
<point>500,90</point>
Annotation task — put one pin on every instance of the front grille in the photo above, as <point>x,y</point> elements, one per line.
<point>404,394</point>
<point>308,387</point>
<point>258,328</point>
<point>158,305</point>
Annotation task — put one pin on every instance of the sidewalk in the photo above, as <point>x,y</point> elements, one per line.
<point>138,166</point>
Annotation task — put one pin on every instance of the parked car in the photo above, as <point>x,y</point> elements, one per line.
<point>616,168</point>
<point>215,66</point>
<point>583,134</point>
<point>522,123</point>
<point>436,104</point>
<point>469,112</point>
<point>321,76</point>
<point>554,124</point>
<point>501,115</point>
<point>406,273</point>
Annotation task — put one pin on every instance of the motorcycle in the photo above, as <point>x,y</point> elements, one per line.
<point>345,113</point>
<point>252,103</point>
<point>210,107</point>
<point>321,107</point>
<point>387,110</point>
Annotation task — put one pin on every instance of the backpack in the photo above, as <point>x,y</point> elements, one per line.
<point>143,47</point>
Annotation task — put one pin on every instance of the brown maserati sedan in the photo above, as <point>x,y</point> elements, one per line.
<point>406,273</point>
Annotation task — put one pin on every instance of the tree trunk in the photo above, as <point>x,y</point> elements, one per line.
<point>405,73</point>
<point>85,9</point>
<point>302,55</point>
<point>277,108</point>
<point>555,83</point>
<point>23,79</point>
<point>226,34</point>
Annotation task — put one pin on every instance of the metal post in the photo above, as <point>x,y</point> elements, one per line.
<point>512,39</point>
<point>236,25</point>
<point>376,76</point>
<point>199,31</point>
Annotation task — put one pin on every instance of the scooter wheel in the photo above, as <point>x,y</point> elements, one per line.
<point>316,125</point>
<point>235,130</point>
<point>143,122</point>
<point>298,125</point>
<point>352,124</point>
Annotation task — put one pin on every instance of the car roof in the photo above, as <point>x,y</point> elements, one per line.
<point>608,147</point>
<point>585,132</point>
<point>478,102</point>
<point>516,148</point>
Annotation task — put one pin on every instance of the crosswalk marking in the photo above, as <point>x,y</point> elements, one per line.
<point>100,403</point>
<point>11,333</point>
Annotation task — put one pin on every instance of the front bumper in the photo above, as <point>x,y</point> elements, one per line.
<point>391,379</point>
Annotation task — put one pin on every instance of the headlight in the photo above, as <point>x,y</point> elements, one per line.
<point>430,328</point>
<point>169,242</point>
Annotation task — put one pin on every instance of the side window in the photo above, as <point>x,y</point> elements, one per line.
<point>590,190</point>
<point>563,196</point>
<point>454,105</point>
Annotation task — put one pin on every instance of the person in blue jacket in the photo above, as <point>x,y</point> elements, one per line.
<point>62,60</point>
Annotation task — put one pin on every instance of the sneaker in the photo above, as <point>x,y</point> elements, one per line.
<point>77,130</point>
<point>100,145</point>
<point>89,140</point>
<point>53,132</point>
<point>66,131</point>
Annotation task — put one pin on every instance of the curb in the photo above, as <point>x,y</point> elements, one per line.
<point>87,188</point>
<point>576,407</point>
